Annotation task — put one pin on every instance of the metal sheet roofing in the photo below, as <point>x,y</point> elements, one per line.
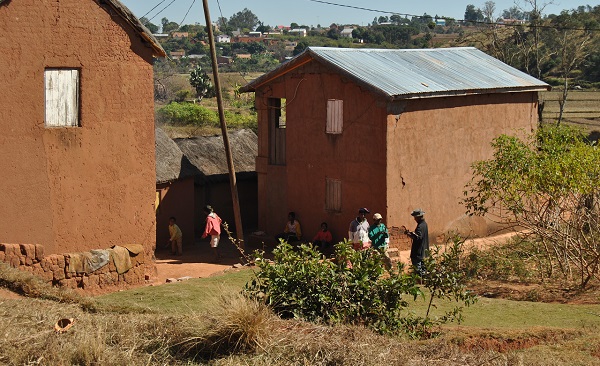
<point>417,73</point>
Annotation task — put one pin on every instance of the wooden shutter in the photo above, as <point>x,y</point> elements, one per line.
<point>62,97</point>
<point>333,195</point>
<point>335,116</point>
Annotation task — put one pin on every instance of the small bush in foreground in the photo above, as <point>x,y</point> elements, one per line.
<point>357,289</point>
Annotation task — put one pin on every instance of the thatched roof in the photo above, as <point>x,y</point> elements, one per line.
<point>171,164</point>
<point>208,153</point>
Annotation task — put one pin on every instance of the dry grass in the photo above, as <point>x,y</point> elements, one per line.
<point>236,331</point>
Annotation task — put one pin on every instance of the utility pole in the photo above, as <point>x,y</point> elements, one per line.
<point>232,178</point>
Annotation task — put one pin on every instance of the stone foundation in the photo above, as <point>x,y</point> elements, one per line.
<point>57,269</point>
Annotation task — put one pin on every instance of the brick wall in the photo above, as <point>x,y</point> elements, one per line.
<point>54,268</point>
<point>398,239</point>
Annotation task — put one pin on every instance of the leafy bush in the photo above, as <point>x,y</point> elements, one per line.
<point>182,114</point>
<point>356,288</point>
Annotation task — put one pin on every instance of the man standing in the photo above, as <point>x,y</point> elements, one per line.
<point>420,241</point>
<point>359,228</point>
<point>378,233</point>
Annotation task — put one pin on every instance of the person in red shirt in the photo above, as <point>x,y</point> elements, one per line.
<point>323,238</point>
<point>212,229</point>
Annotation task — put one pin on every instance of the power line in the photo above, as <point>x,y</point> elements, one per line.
<point>186,14</point>
<point>220,11</point>
<point>163,9</point>
<point>155,6</point>
<point>456,20</point>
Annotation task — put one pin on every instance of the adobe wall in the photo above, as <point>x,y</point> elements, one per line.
<point>61,270</point>
<point>356,157</point>
<point>78,188</point>
<point>177,199</point>
<point>431,146</point>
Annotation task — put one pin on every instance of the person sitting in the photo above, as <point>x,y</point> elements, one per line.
<point>292,231</point>
<point>323,238</point>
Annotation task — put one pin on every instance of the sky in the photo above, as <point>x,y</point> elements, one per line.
<point>311,13</point>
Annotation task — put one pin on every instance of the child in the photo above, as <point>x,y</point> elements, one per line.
<point>213,228</point>
<point>175,237</point>
<point>292,231</point>
<point>323,238</point>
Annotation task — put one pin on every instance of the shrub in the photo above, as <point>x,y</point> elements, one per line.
<point>355,289</point>
<point>182,114</point>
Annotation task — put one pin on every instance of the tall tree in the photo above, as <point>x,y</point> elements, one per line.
<point>151,26</point>
<point>243,19</point>
<point>489,9</point>
<point>473,14</point>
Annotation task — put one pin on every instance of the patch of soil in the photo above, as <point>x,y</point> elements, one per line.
<point>507,342</point>
<point>547,292</point>
<point>8,294</point>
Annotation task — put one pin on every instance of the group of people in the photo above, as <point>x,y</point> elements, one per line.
<point>363,235</point>
<point>212,229</point>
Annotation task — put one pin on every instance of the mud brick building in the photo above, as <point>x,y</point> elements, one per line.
<point>76,125</point>
<point>391,130</point>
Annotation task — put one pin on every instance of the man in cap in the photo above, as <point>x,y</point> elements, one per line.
<point>380,239</point>
<point>420,241</point>
<point>359,228</point>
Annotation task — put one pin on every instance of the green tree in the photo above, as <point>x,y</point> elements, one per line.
<point>473,14</point>
<point>243,19</point>
<point>153,28</point>
<point>548,184</point>
<point>200,81</point>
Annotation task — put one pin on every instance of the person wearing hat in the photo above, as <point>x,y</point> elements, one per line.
<point>420,241</point>
<point>359,228</point>
<point>380,239</point>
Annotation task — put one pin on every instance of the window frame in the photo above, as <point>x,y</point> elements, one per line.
<point>56,97</point>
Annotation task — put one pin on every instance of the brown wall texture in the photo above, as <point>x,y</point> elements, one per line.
<point>392,157</point>
<point>176,200</point>
<point>431,146</point>
<point>356,157</point>
<point>83,187</point>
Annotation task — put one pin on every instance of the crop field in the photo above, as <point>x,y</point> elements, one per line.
<point>582,109</point>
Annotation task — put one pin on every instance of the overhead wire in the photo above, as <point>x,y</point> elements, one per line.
<point>163,9</point>
<point>449,18</point>
<point>155,6</point>
<point>186,14</point>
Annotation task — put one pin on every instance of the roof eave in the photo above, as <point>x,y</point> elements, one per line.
<point>303,58</point>
<point>454,93</point>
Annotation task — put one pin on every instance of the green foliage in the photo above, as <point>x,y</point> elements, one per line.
<point>200,81</point>
<point>183,114</point>
<point>550,185</point>
<point>190,114</point>
<point>354,289</point>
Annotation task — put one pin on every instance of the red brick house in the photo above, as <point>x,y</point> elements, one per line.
<point>391,130</point>
<point>76,125</point>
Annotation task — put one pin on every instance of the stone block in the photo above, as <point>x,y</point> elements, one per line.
<point>39,252</point>
<point>47,276</point>
<point>14,262</point>
<point>12,249</point>
<point>90,282</point>
<point>2,256</point>
<point>46,263</point>
<point>58,273</point>
<point>68,283</point>
<point>28,251</point>
<point>111,266</point>
<point>60,261</point>
<point>22,260</point>
<point>28,261</point>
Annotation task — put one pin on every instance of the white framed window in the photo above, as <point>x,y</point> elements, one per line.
<point>61,97</point>
<point>335,116</point>
<point>333,195</point>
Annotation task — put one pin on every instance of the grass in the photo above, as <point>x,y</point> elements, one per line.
<point>194,295</point>
<point>206,321</point>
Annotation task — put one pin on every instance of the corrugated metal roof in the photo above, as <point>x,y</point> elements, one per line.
<point>418,73</point>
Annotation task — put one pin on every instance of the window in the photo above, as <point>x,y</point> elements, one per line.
<point>277,127</point>
<point>61,97</point>
<point>335,116</point>
<point>333,195</point>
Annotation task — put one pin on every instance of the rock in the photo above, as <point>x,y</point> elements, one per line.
<point>185,278</point>
<point>238,265</point>
<point>171,280</point>
<point>39,252</point>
